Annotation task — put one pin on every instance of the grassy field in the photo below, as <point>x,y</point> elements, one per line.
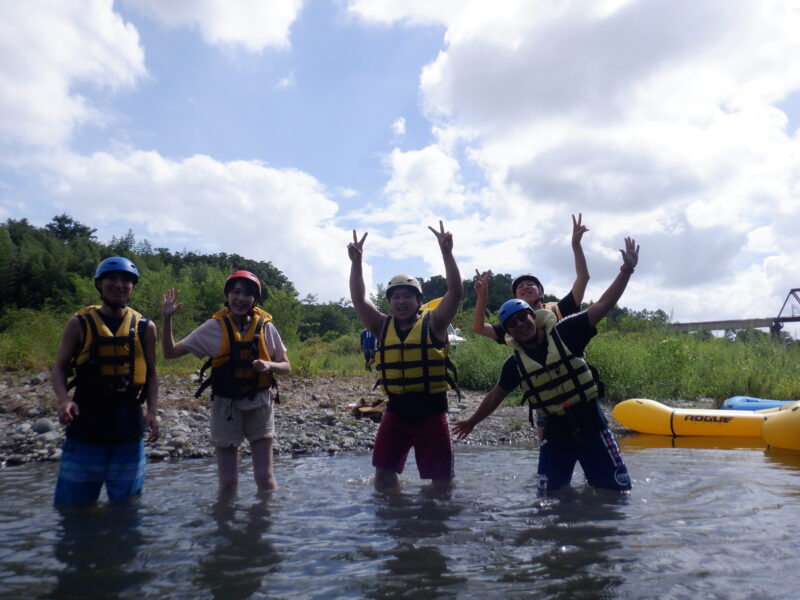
<point>652,363</point>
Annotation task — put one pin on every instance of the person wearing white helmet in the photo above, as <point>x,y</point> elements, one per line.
<point>245,353</point>
<point>412,364</point>
<point>548,362</point>
<point>111,349</point>
<point>528,287</point>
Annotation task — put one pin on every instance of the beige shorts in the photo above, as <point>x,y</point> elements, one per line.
<point>229,425</point>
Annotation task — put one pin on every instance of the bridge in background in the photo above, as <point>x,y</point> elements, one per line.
<point>775,324</point>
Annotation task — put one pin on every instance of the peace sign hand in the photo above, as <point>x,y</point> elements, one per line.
<point>355,249</point>
<point>482,283</point>
<point>578,229</point>
<point>445,238</point>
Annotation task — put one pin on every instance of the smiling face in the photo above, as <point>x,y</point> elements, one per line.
<point>528,290</point>
<point>522,326</point>
<point>241,298</point>
<point>115,288</point>
<point>405,302</point>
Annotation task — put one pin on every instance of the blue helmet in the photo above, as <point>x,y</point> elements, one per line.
<point>116,263</point>
<point>511,307</point>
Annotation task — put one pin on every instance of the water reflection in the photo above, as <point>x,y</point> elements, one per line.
<point>97,546</point>
<point>241,557</point>
<point>639,441</point>
<point>415,567</point>
<point>571,541</point>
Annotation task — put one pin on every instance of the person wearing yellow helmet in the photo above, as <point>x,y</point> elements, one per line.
<point>548,363</point>
<point>528,287</point>
<point>111,349</point>
<point>412,364</point>
<point>245,351</point>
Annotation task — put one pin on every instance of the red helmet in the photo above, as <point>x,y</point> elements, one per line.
<point>243,275</point>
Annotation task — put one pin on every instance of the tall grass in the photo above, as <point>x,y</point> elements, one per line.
<point>654,363</point>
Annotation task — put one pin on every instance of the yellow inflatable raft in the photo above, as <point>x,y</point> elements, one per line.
<point>649,416</point>
<point>781,427</point>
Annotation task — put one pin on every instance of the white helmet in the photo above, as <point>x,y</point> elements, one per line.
<point>403,281</point>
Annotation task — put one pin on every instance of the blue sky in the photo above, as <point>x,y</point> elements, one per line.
<point>272,128</point>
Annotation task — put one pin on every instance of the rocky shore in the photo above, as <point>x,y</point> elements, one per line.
<point>312,418</point>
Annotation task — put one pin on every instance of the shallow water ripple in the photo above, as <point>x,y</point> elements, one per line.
<point>700,522</point>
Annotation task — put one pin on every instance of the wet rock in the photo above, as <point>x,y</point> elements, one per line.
<point>39,379</point>
<point>43,425</point>
<point>49,436</point>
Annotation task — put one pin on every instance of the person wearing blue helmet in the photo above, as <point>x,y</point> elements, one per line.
<point>110,348</point>
<point>548,362</point>
<point>529,288</point>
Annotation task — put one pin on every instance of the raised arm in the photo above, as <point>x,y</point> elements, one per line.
<point>581,270</point>
<point>443,314</point>
<point>168,308</point>
<point>489,404</point>
<point>480,326</point>
<point>630,258</point>
<point>370,316</point>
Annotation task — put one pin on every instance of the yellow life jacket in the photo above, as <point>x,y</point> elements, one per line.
<point>232,375</point>
<point>413,365</point>
<point>110,362</point>
<point>564,380</point>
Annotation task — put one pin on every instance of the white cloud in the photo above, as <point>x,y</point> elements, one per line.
<point>399,126</point>
<point>243,207</point>
<point>254,24</point>
<point>287,82</point>
<point>423,183</point>
<point>57,49</point>
<point>654,119</point>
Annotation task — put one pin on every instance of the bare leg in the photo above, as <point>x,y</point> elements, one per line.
<point>228,469</point>
<point>262,464</point>
<point>386,479</point>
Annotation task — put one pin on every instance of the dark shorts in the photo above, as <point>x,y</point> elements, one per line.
<point>430,438</point>
<point>84,468</point>
<point>595,448</point>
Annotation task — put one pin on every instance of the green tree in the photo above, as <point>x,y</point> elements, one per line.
<point>67,229</point>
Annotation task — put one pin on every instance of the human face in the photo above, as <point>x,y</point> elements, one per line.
<point>240,299</point>
<point>522,326</point>
<point>404,303</point>
<point>116,288</point>
<point>528,290</point>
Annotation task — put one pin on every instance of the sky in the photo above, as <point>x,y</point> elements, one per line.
<point>274,128</point>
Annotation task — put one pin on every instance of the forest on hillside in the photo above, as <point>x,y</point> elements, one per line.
<point>51,269</point>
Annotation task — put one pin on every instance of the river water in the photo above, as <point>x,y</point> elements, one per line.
<point>706,519</point>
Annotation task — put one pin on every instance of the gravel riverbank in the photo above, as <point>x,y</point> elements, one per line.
<point>312,418</point>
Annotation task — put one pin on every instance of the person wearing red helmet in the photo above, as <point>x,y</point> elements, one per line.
<point>245,352</point>
<point>527,287</point>
<point>111,349</point>
<point>412,364</point>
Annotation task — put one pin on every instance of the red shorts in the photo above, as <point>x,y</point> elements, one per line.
<point>430,438</point>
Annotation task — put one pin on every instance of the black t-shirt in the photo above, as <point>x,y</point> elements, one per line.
<point>575,332</point>
<point>567,306</point>
<point>108,420</point>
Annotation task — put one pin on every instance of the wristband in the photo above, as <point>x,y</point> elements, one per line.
<point>626,268</point>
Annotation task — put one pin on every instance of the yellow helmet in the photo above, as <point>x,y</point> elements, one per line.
<point>403,281</point>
